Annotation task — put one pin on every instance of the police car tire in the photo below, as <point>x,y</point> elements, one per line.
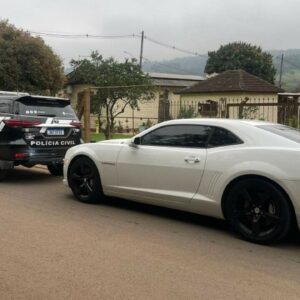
<point>3,174</point>
<point>55,169</point>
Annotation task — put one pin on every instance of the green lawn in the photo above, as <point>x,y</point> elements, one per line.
<point>100,136</point>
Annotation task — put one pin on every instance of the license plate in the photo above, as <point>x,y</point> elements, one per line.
<point>55,132</point>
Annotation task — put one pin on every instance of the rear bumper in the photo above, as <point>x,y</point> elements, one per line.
<point>39,156</point>
<point>23,154</point>
<point>292,187</point>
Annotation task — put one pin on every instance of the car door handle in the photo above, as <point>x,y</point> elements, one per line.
<point>192,159</point>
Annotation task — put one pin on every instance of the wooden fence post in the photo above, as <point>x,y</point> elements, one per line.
<point>87,115</point>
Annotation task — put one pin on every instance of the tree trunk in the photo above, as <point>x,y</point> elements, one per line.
<point>107,126</point>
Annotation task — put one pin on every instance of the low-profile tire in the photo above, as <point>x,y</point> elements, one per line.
<point>258,210</point>
<point>84,180</point>
<point>56,169</point>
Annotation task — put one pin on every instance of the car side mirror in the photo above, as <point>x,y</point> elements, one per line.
<point>135,142</point>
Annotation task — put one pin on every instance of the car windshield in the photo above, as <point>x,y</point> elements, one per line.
<point>45,107</point>
<point>284,131</point>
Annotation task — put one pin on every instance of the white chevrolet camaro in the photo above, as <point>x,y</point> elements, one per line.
<point>247,172</point>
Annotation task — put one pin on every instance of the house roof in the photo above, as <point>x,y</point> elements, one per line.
<point>173,83</point>
<point>156,75</point>
<point>174,80</point>
<point>232,81</point>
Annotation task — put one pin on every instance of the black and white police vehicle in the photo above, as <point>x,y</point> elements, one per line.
<point>36,130</point>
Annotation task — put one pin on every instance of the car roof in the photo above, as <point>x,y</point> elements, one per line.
<point>18,97</point>
<point>219,121</point>
<point>248,131</point>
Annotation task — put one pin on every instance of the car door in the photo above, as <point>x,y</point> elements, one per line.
<point>167,165</point>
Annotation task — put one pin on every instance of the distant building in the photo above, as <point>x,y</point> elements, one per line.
<point>152,112</point>
<point>223,94</point>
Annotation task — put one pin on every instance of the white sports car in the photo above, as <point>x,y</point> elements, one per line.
<point>247,172</point>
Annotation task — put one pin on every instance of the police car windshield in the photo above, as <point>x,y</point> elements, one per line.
<point>45,107</point>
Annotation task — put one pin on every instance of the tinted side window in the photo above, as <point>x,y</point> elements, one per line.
<point>178,136</point>
<point>5,106</point>
<point>223,137</point>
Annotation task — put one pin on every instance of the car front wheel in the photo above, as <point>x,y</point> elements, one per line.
<point>258,210</point>
<point>84,180</point>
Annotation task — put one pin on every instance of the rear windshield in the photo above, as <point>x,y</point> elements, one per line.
<point>284,131</point>
<point>45,108</point>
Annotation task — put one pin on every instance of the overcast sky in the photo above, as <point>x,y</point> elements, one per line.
<point>195,25</point>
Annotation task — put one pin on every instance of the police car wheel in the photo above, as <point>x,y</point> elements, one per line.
<point>84,180</point>
<point>3,174</point>
<point>55,169</point>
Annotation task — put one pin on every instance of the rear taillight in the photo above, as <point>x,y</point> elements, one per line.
<point>19,123</point>
<point>20,155</point>
<point>76,124</point>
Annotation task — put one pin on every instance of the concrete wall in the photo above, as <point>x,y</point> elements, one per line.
<point>146,114</point>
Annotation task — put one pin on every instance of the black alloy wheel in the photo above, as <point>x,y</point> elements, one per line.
<point>84,180</point>
<point>258,210</point>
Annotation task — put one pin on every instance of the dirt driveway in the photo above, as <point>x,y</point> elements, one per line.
<point>53,247</point>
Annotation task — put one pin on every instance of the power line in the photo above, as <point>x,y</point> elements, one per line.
<point>173,47</point>
<point>122,36</point>
<point>82,35</point>
<point>156,63</point>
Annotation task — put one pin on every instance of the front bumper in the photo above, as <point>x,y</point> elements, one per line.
<point>292,187</point>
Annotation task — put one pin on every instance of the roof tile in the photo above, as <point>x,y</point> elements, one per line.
<point>232,81</point>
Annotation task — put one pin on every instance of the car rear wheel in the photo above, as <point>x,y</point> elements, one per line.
<point>84,180</point>
<point>56,169</point>
<point>258,210</point>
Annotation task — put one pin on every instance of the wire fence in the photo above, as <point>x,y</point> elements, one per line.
<point>284,111</point>
<point>272,109</point>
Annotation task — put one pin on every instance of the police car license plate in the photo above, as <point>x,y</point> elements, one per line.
<point>55,132</point>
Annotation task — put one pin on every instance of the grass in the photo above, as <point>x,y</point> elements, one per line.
<point>100,136</point>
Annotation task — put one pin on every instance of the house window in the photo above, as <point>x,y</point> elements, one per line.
<point>208,109</point>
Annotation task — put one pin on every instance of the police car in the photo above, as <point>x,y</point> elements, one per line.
<point>36,130</point>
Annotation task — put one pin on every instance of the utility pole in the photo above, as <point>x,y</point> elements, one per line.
<point>142,48</point>
<point>280,74</point>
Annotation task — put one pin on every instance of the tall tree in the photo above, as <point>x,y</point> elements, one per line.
<point>244,56</point>
<point>119,85</point>
<point>27,63</point>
